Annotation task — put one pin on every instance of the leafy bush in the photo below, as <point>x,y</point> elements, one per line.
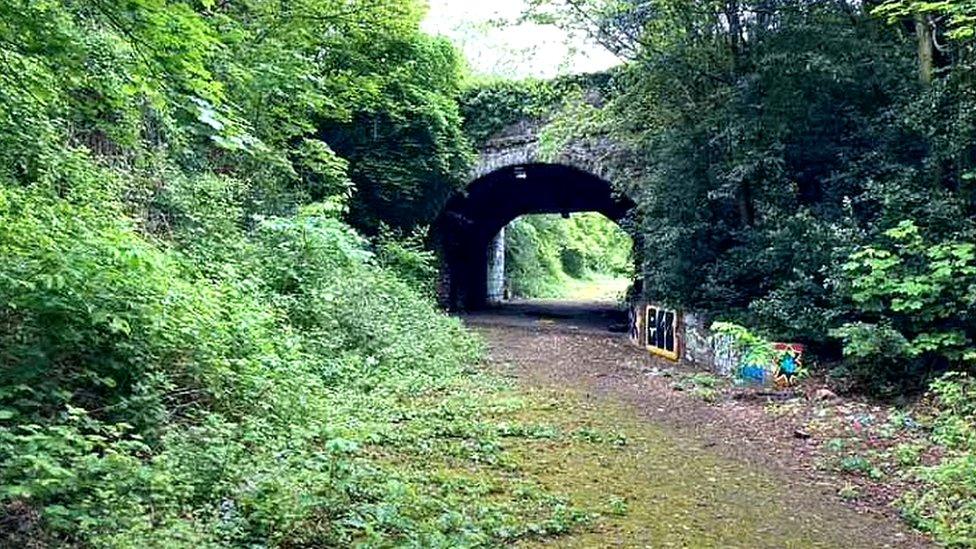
<point>766,188</point>
<point>921,292</point>
<point>170,408</point>
<point>118,363</point>
<point>408,257</point>
<point>955,425</point>
<point>191,354</point>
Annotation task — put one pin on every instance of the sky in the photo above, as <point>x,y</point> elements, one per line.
<point>514,51</point>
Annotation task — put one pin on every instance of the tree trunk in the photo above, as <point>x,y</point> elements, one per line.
<point>735,36</point>
<point>926,48</point>
<point>747,214</point>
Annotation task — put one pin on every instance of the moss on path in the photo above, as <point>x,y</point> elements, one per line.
<point>647,484</point>
<point>650,487</point>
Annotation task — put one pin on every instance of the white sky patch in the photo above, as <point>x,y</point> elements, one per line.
<point>513,51</point>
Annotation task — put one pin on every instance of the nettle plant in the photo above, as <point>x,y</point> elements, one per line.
<point>943,503</point>
<point>753,348</point>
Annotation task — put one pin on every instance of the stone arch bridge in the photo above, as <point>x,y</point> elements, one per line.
<point>512,178</point>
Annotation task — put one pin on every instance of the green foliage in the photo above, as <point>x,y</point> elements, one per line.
<point>770,165</point>
<point>544,251</point>
<point>533,263</point>
<point>574,118</point>
<point>144,403</point>
<point>408,257</point>
<point>945,505</point>
<point>955,425</point>
<point>753,349</point>
<point>700,385</point>
<point>960,15</point>
<point>406,147</point>
<point>600,244</point>
<point>922,293</point>
<point>489,107</point>
<point>945,508</point>
<point>907,454</point>
<point>196,349</point>
<point>756,347</point>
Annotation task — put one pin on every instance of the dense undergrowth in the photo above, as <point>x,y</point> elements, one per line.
<point>309,397</point>
<point>945,504</point>
<point>146,403</point>
<point>196,347</point>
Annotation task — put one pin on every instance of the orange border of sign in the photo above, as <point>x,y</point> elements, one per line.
<point>670,355</point>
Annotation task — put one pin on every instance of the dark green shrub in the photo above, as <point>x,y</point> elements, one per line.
<point>918,292</point>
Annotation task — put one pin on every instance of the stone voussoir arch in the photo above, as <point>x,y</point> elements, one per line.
<point>519,145</point>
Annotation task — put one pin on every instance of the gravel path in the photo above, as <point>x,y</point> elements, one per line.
<point>579,348</point>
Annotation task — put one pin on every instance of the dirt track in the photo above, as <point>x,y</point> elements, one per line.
<point>732,462</point>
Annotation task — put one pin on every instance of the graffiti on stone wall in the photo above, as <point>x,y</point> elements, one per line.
<point>781,368</point>
<point>754,360</point>
<point>731,350</point>
<point>726,355</point>
<point>789,363</point>
<point>661,331</point>
<point>636,326</point>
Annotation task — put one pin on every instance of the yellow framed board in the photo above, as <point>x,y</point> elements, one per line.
<point>661,332</point>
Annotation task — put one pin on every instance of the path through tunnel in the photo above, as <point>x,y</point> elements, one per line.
<point>473,218</point>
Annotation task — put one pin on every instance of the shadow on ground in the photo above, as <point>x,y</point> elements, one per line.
<point>594,317</point>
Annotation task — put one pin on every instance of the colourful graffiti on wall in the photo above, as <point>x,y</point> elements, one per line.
<point>782,369</point>
<point>789,363</point>
<point>656,329</point>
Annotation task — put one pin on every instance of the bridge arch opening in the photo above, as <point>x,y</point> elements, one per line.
<point>468,228</point>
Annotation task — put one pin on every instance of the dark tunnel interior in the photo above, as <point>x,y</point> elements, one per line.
<point>473,217</point>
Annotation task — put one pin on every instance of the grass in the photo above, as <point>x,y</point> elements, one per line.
<point>596,287</point>
<point>700,385</point>
<point>584,473</point>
